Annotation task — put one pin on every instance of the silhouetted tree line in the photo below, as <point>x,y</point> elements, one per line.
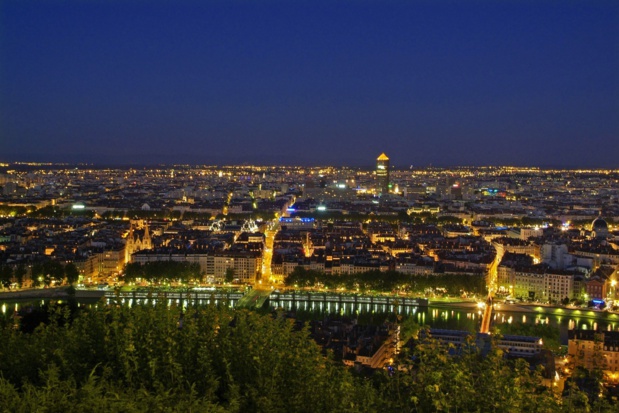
<point>162,271</point>
<point>41,273</point>
<point>52,211</point>
<point>389,281</point>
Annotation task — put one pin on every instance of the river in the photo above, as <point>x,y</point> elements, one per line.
<point>457,316</point>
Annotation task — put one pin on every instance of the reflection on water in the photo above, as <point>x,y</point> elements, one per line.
<point>184,303</point>
<point>434,315</point>
<point>468,318</point>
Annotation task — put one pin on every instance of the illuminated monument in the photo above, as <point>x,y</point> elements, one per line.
<point>138,238</point>
<point>382,173</point>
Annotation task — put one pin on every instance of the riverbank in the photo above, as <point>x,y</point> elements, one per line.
<point>537,309</point>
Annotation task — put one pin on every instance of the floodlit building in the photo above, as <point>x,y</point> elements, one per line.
<point>138,239</point>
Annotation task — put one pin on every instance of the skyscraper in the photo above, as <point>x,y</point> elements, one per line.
<point>382,173</point>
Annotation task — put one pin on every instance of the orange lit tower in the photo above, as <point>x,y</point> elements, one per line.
<point>382,173</point>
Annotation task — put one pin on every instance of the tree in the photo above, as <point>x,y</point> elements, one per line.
<point>109,358</point>
<point>71,273</point>
<point>143,358</point>
<point>133,271</point>
<point>52,271</point>
<point>36,274</point>
<point>162,271</point>
<point>6,275</point>
<point>20,274</point>
<point>229,277</point>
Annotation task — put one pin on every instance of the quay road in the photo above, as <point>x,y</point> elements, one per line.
<point>271,229</point>
<point>267,255</point>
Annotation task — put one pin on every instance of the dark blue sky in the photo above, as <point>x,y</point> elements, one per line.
<point>333,82</point>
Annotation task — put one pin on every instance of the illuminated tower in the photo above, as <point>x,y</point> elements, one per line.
<point>382,173</point>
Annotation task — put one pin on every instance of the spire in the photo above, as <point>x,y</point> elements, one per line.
<point>146,234</point>
<point>130,234</point>
<point>146,241</point>
<point>382,157</point>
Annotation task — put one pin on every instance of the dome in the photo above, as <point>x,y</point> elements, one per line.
<point>599,224</point>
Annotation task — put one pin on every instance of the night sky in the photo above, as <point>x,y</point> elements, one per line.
<point>336,82</point>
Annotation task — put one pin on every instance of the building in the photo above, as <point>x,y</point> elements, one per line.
<point>138,239</point>
<point>111,261</point>
<point>297,223</point>
<point>382,174</point>
<point>555,255</point>
<point>506,270</point>
<point>372,347</point>
<point>529,284</point>
<point>521,346</point>
<point>559,286</point>
<point>596,288</point>
<point>525,233</point>
<point>246,265</point>
<point>516,346</point>
<point>595,350</point>
<point>599,228</point>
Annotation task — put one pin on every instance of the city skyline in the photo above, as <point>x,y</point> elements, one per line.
<point>521,261</point>
<point>333,83</point>
<point>309,206</point>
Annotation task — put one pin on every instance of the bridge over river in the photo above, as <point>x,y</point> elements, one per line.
<point>287,300</point>
<point>332,302</point>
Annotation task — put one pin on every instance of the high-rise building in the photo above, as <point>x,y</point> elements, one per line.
<point>382,173</point>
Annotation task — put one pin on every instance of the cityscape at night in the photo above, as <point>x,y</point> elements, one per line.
<point>524,259</point>
<point>309,206</point>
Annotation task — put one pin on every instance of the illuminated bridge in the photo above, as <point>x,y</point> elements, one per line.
<point>257,298</point>
<point>487,317</point>
<point>491,281</point>
<point>177,297</point>
<point>332,302</point>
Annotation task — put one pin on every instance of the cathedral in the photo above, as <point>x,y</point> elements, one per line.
<point>138,238</point>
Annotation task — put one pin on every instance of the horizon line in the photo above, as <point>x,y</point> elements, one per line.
<point>304,165</point>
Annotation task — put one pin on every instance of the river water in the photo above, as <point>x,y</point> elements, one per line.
<point>456,316</point>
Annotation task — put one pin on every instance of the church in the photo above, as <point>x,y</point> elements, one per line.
<point>138,238</point>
